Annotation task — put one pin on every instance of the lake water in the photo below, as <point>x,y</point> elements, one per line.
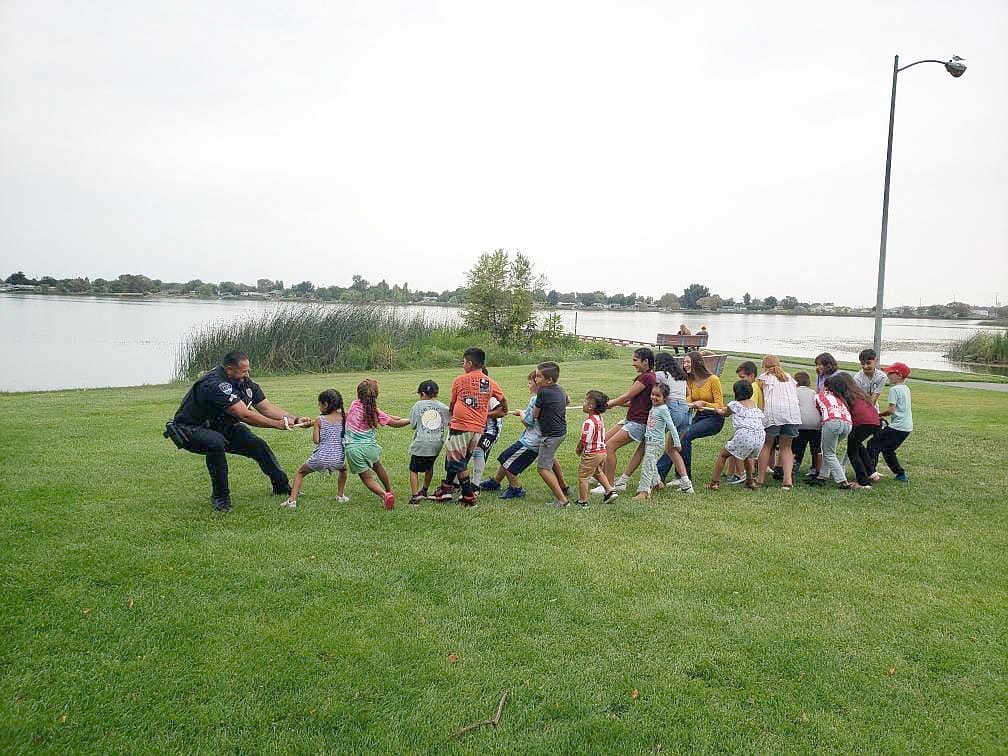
<point>53,342</point>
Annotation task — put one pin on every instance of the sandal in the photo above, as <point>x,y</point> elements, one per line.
<point>785,488</point>
<point>751,485</point>
<point>846,486</point>
<point>714,486</point>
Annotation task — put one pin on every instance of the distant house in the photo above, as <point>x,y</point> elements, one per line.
<point>567,305</point>
<point>23,287</point>
<point>980,312</point>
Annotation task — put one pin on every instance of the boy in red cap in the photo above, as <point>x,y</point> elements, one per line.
<point>900,424</point>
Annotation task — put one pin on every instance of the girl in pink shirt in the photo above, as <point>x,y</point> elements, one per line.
<point>363,454</point>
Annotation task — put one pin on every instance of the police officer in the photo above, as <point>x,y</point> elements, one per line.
<point>213,415</point>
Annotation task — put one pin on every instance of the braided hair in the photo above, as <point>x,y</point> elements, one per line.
<point>367,395</point>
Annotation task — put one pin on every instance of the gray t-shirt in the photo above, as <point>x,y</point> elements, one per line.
<point>810,417</point>
<point>872,385</point>
<point>429,418</point>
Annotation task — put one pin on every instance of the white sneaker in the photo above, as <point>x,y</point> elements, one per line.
<point>342,499</point>
<point>290,504</point>
<point>674,483</point>
<point>598,490</point>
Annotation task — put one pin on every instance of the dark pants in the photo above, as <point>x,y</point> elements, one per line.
<point>886,441</point>
<point>704,424</point>
<point>858,454</point>
<point>235,439</point>
<point>811,438</point>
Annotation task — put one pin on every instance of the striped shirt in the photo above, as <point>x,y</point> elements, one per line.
<point>593,435</point>
<point>832,407</point>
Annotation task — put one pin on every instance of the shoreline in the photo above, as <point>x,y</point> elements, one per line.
<point>659,311</point>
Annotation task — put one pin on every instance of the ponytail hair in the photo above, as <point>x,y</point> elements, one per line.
<point>367,395</point>
<point>771,363</point>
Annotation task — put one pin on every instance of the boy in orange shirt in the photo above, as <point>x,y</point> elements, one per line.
<point>470,400</point>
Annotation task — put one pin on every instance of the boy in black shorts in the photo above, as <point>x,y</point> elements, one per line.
<point>429,419</point>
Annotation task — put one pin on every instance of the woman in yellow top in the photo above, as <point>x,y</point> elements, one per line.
<point>703,394</point>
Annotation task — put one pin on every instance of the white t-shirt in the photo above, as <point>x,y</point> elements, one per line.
<point>677,389</point>
<point>780,401</point>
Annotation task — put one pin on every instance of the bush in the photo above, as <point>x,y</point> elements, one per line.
<point>982,347</point>
<point>322,338</point>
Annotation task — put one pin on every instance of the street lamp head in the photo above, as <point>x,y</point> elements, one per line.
<point>955,66</point>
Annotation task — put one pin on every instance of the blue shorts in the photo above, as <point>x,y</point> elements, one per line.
<point>635,430</point>
<point>516,458</point>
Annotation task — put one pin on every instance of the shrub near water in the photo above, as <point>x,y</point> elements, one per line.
<point>991,348</point>
<point>337,338</point>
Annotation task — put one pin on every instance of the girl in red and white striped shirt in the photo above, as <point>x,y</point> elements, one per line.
<point>836,426</point>
<point>592,448</point>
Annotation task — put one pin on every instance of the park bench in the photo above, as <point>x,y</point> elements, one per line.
<point>681,341</point>
<point>714,362</point>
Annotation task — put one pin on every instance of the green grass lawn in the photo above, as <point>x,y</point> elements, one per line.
<point>136,619</point>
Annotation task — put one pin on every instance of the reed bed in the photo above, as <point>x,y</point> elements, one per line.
<point>982,347</point>
<point>318,338</point>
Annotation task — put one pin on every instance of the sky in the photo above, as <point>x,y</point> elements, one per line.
<point>631,146</point>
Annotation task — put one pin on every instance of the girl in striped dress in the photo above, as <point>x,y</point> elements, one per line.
<point>327,433</point>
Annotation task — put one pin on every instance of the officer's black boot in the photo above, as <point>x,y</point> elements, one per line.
<point>222,503</point>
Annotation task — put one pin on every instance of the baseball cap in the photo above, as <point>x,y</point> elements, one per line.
<point>897,367</point>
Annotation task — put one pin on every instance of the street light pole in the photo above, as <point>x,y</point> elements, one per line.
<point>956,68</point>
<point>885,216</point>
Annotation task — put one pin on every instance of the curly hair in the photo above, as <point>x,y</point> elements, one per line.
<point>367,395</point>
<point>600,400</point>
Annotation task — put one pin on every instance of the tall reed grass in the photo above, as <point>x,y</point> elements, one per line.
<point>983,347</point>
<point>319,338</point>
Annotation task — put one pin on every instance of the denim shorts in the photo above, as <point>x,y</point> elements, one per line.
<point>635,430</point>
<point>788,430</point>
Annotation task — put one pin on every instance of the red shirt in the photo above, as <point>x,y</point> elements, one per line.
<point>640,405</point>
<point>593,435</point>
<point>470,400</point>
<point>864,413</point>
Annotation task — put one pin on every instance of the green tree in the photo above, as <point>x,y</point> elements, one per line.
<point>19,278</point>
<point>691,294</point>
<point>770,302</point>
<point>746,299</point>
<point>500,295</point>
<point>789,302</point>
<point>669,301</point>
<point>553,297</point>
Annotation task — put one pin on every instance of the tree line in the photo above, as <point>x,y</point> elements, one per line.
<point>693,297</point>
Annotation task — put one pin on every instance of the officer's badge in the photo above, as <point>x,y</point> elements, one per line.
<point>484,385</point>
<point>248,393</point>
<point>225,387</point>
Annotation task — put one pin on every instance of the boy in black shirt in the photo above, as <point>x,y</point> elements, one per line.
<point>551,412</point>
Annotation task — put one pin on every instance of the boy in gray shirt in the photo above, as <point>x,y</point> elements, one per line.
<point>429,418</point>
<point>869,378</point>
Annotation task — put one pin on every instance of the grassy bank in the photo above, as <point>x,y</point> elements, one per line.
<point>983,348</point>
<point>304,338</point>
<point>135,619</point>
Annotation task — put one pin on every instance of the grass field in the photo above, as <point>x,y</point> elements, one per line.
<point>136,619</point>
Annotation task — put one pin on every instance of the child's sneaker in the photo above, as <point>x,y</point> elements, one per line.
<point>443,493</point>
<point>490,485</point>
<point>734,480</point>
<point>599,489</point>
<point>290,504</point>
<point>469,502</point>
<point>583,504</point>
<point>561,504</point>
<point>614,494</point>
<point>902,478</point>
<point>389,500</point>
<point>513,493</point>
<point>686,485</point>
<point>416,498</point>
<point>342,499</point>
<point>620,483</point>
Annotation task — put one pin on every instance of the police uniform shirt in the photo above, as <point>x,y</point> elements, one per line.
<point>214,393</point>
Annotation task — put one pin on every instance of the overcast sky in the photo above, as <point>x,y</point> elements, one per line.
<point>622,146</point>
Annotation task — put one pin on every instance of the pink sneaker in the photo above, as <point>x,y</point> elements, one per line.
<point>389,500</point>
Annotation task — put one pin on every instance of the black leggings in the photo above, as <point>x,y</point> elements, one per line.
<point>811,438</point>
<point>858,454</point>
<point>887,441</point>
